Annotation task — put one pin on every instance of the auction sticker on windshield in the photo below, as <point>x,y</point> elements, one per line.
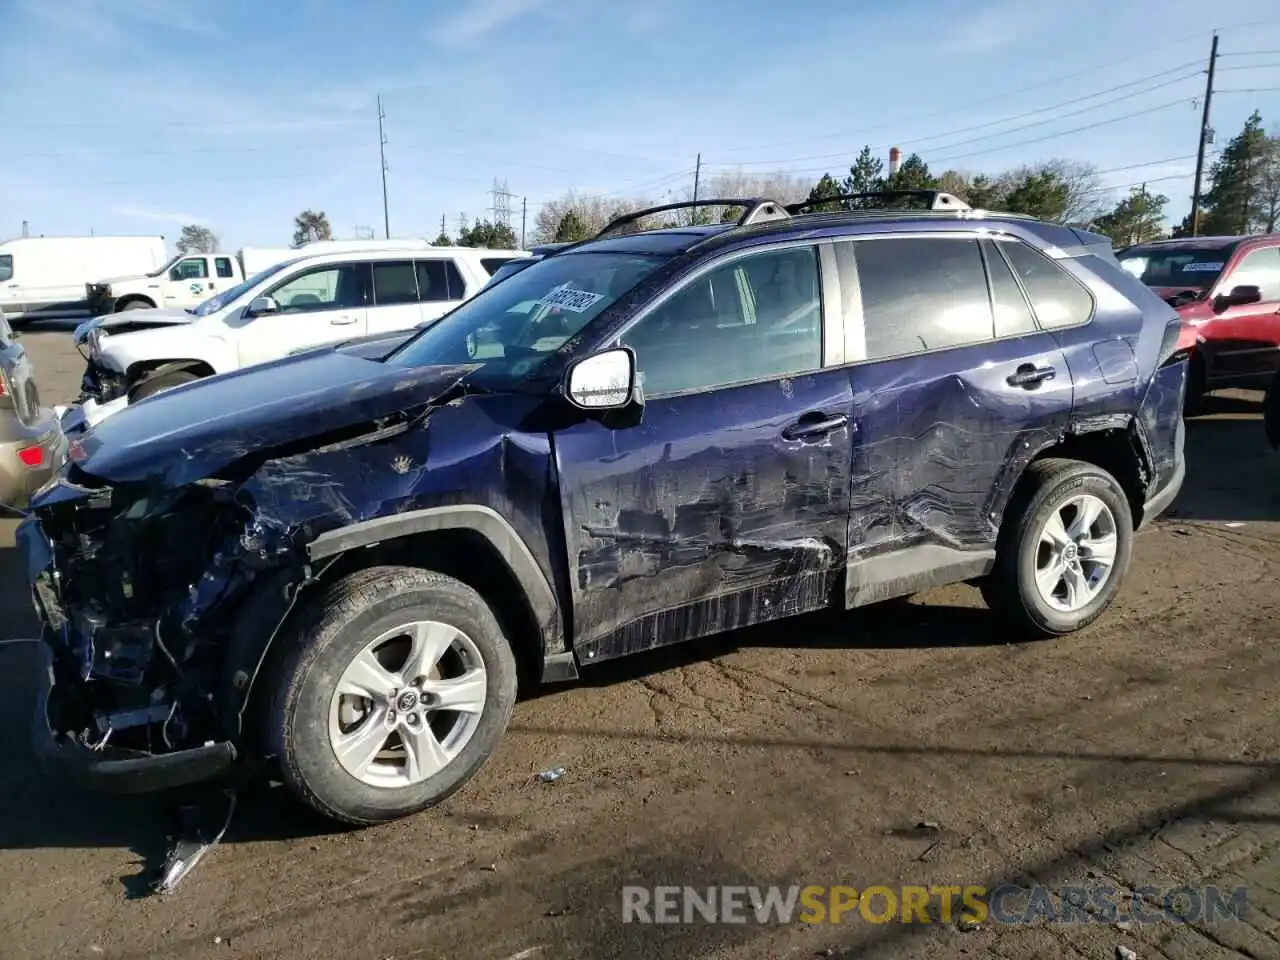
<point>1198,266</point>
<point>566,298</point>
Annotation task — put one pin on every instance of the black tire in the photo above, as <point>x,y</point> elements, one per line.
<point>1193,402</point>
<point>332,630</point>
<point>136,305</point>
<point>151,386</point>
<point>1271,412</point>
<point>1010,589</point>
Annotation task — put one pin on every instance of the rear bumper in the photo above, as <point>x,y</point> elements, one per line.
<point>1162,499</point>
<point>18,481</point>
<point>114,770</point>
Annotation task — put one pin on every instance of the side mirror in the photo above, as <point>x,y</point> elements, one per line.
<point>1238,297</point>
<point>260,305</point>
<point>602,381</point>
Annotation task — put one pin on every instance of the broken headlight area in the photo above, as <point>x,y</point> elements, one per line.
<point>139,600</point>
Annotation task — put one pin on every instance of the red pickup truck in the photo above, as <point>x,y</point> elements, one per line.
<point>1227,291</point>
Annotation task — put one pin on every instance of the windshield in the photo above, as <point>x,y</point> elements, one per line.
<point>231,294</point>
<point>512,327</point>
<point>167,265</point>
<point>1186,267</point>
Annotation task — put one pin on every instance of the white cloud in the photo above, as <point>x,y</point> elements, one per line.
<point>116,24</point>
<point>481,17</point>
<point>159,216</point>
<point>994,27</point>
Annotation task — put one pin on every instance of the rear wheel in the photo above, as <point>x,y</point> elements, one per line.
<point>391,694</point>
<point>160,383</point>
<point>1063,550</point>
<point>137,305</point>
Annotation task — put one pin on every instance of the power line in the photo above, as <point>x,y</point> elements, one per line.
<point>1251,53</point>
<point>1088,71</point>
<point>1063,133</point>
<point>1249,90</point>
<point>1019,116</point>
<point>1253,66</point>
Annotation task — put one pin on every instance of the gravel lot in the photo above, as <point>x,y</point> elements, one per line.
<point>1143,751</point>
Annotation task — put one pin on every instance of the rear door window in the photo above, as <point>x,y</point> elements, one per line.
<point>921,294</point>
<point>6,267</point>
<point>1013,313</point>
<point>433,280</point>
<point>394,284</point>
<point>223,267</point>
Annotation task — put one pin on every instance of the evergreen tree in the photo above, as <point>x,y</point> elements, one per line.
<point>1135,219</point>
<point>822,190</point>
<point>1236,201</point>
<point>1042,195</point>
<point>865,176</point>
<point>571,228</point>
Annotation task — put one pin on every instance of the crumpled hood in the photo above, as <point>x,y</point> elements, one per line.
<point>132,319</point>
<point>197,430</point>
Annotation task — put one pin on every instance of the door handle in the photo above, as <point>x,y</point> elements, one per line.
<point>1029,375</point>
<point>342,321</point>
<point>807,428</point>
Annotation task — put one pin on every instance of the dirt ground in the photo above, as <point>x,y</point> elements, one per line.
<point>1144,750</point>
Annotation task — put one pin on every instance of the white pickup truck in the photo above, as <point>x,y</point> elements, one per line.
<point>187,279</point>
<point>191,278</point>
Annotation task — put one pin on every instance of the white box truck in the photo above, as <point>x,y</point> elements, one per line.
<point>190,279</point>
<point>46,276</point>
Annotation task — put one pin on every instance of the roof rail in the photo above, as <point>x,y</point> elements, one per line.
<point>758,209</point>
<point>937,200</point>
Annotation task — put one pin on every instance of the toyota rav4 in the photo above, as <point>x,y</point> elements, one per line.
<point>341,561</point>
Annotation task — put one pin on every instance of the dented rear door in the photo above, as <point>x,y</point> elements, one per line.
<point>955,388</point>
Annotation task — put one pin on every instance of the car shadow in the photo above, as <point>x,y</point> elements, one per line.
<point>1232,471</point>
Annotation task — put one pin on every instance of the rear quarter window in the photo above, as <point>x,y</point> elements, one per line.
<point>1058,299</point>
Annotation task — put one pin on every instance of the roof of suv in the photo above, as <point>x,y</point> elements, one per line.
<point>766,217</point>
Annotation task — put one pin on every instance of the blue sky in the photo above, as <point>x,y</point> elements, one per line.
<point>136,116</point>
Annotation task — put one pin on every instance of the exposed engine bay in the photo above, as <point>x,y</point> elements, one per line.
<point>139,602</point>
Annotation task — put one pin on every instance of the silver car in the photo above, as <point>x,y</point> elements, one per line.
<point>32,444</point>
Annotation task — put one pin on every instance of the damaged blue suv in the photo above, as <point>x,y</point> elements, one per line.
<point>342,562</point>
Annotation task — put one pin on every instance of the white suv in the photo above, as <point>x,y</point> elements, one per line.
<point>295,305</point>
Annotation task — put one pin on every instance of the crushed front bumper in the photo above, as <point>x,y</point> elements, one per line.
<point>109,769</point>
<point>100,384</point>
<point>98,766</point>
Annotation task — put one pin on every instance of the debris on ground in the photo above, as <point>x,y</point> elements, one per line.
<point>967,925</point>
<point>551,776</point>
<point>195,838</point>
<point>1124,953</point>
<point>490,868</point>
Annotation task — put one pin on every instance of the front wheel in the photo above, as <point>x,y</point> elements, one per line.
<point>1063,550</point>
<point>395,688</point>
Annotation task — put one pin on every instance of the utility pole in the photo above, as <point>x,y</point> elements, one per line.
<point>382,153</point>
<point>697,175</point>
<point>1204,138</point>
<point>443,232</point>
<point>524,218</point>
<point>25,229</point>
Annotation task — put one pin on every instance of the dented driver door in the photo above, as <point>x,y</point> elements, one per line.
<point>728,504</point>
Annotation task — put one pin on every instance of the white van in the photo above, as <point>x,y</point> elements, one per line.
<point>46,276</point>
